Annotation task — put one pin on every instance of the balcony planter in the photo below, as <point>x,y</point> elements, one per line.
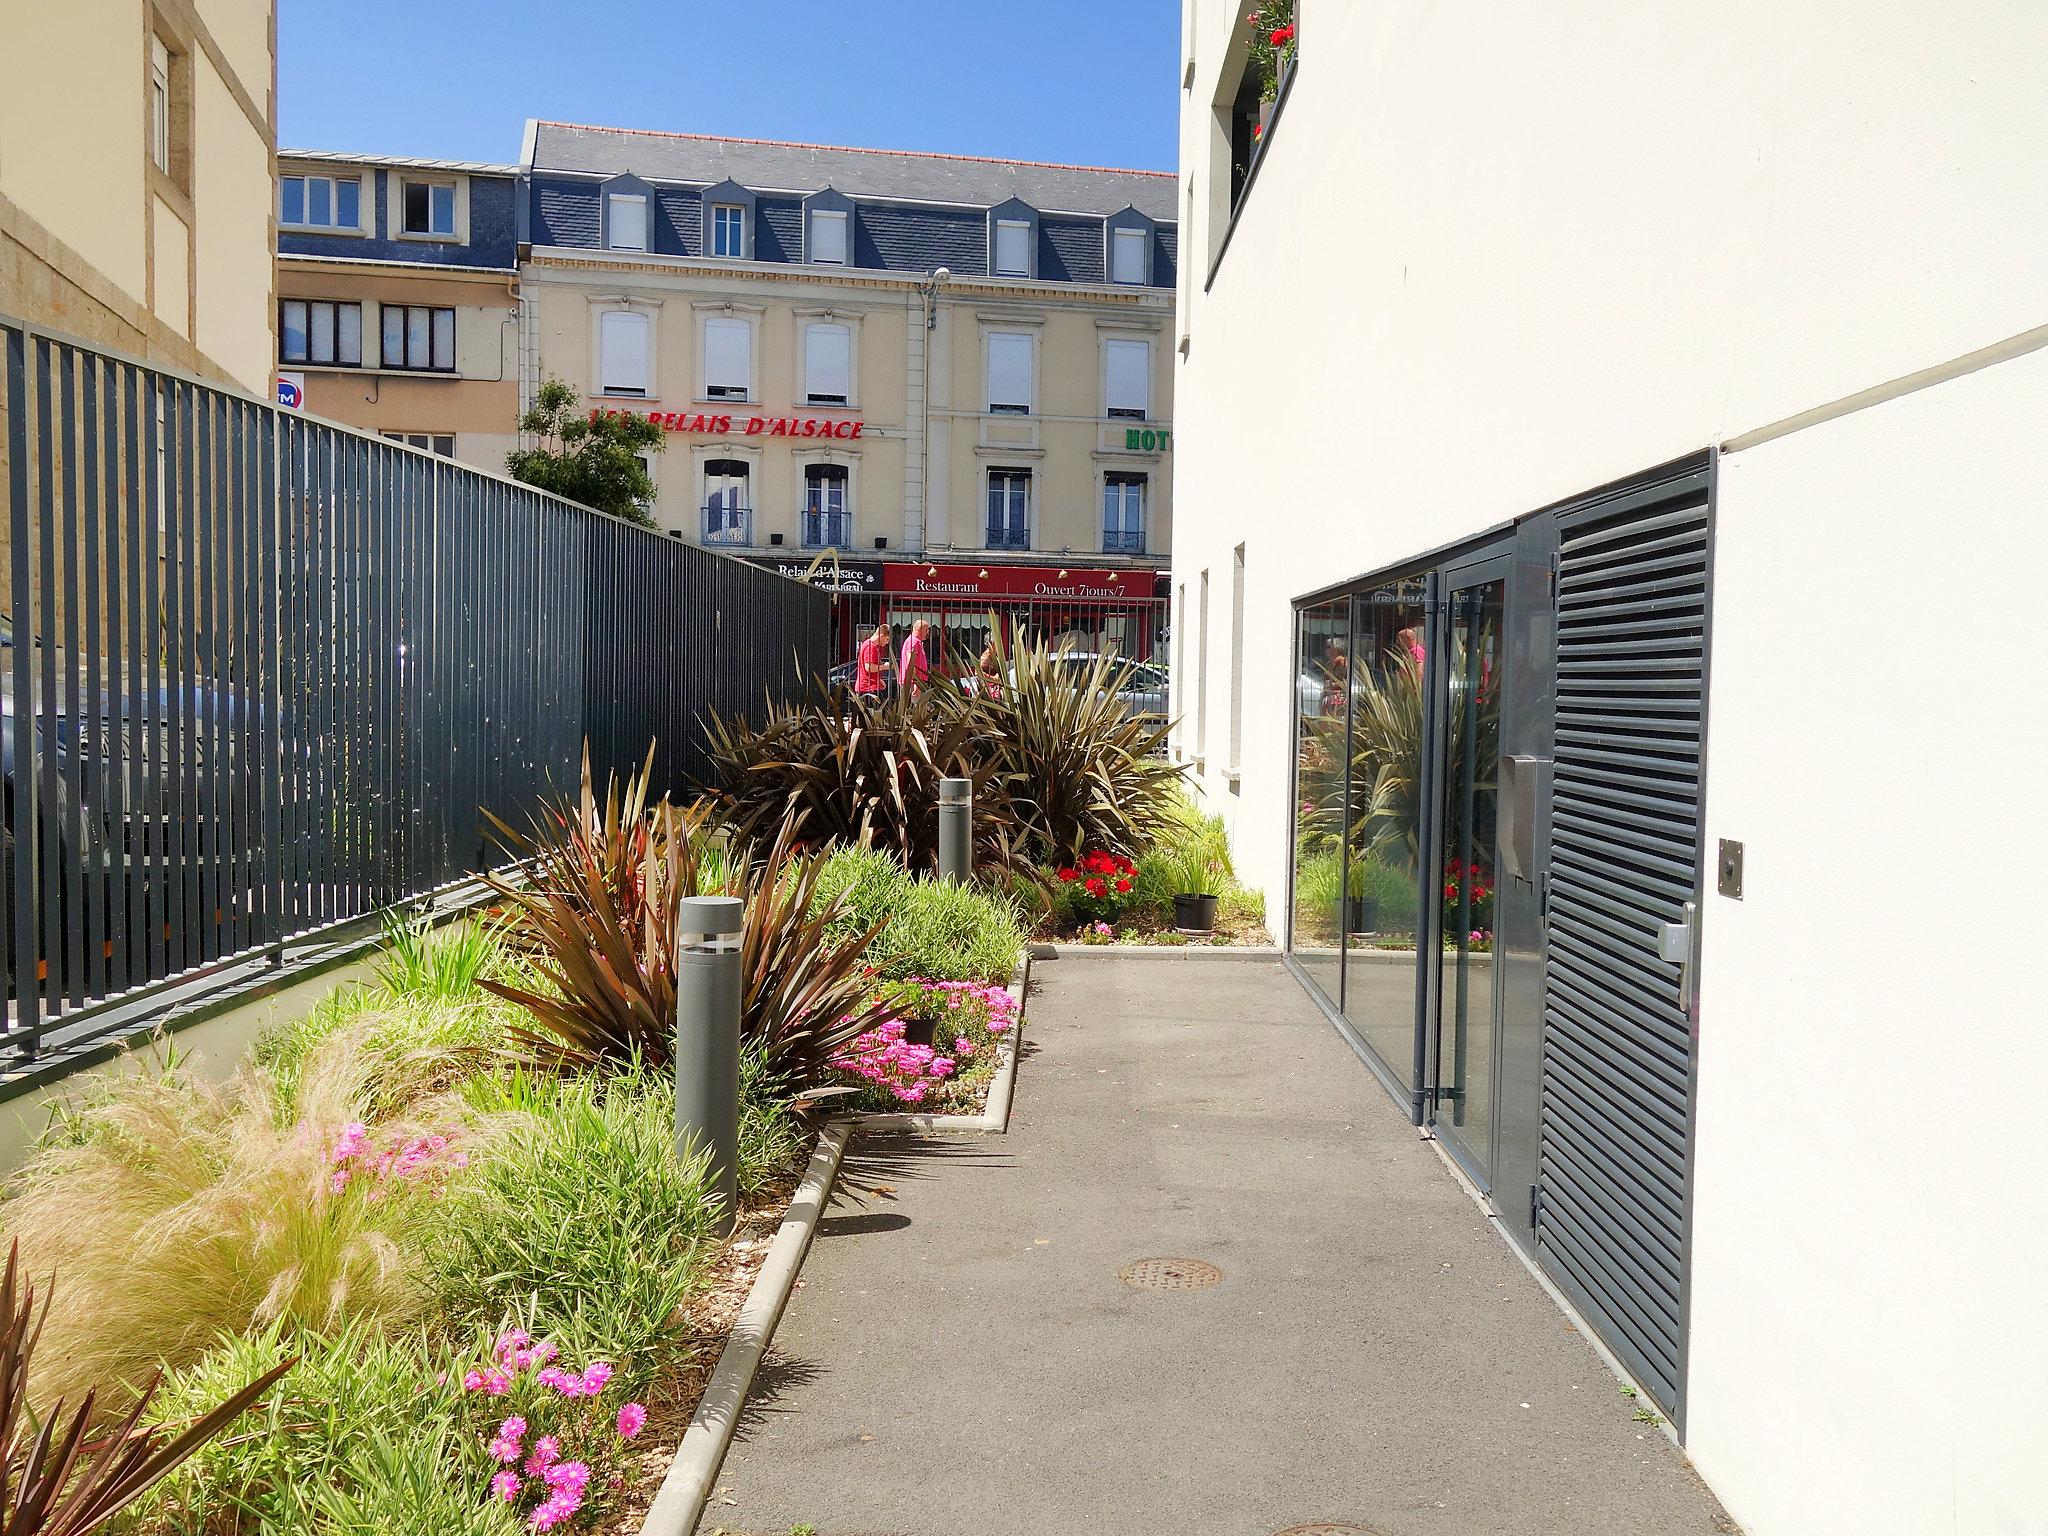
<point>1194,913</point>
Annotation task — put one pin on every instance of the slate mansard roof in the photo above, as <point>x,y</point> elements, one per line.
<point>913,210</point>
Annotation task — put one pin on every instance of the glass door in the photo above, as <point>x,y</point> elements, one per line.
<point>1466,988</point>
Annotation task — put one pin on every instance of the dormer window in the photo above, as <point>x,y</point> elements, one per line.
<point>1127,255</point>
<point>429,208</point>
<point>828,236</point>
<point>728,230</point>
<point>626,221</point>
<point>1013,248</point>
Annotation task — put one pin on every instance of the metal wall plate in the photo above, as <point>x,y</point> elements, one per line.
<point>1728,869</point>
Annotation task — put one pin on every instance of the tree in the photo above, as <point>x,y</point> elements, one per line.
<point>594,459</point>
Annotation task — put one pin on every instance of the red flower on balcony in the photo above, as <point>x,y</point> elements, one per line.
<point>1283,35</point>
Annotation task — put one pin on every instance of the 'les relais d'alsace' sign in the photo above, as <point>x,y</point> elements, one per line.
<point>749,426</point>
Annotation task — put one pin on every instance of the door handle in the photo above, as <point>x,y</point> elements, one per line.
<point>1679,943</point>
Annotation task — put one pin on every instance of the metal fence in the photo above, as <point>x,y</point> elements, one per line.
<point>263,675</point>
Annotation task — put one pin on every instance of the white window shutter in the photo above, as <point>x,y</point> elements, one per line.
<point>828,362</point>
<point>728,355</point>
<point>1009,369</point>
<point>623,345</point>
<point>828,236</point>
<point>628,222</point>
<point>1129,372</point>
<point>1013,251</point>
<point>1127,256</point>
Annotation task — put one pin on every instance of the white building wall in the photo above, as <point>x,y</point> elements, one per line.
<point>1497,257</point>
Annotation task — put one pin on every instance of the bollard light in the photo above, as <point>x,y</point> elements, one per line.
<point>956,830</point>
<point>707,1059</point>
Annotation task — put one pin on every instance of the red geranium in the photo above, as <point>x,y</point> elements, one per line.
<point>1068,874</point>
<point>1095,887</point>
<point>1283,35</point>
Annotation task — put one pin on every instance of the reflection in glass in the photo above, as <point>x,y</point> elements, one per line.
<point>1471,798</point>
<point>1383,889</point>
<point>1321,698</point>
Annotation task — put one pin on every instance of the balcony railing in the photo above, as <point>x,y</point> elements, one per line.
<point>1009,538</point>
<point>1123,541</point>
<point>824,529</point>
<point>728,527</point>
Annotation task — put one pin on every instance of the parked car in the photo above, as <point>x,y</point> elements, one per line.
<point>1146,685</point>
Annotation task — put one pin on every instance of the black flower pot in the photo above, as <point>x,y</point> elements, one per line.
<point>920,1031</point>
<point>1194,914</point>
<point>1361,914</point>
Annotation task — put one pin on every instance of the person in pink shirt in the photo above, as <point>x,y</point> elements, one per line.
<point>913,669</point>
<point>871,667</point>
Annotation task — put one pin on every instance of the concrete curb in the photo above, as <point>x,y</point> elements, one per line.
<point>1189,951</point>
<point>995,1119</point>
<point>680,1502</point>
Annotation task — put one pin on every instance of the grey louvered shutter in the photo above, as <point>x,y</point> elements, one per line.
<point>1625,831</point>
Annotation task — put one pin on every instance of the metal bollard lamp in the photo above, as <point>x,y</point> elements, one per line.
<point>956,830</point>
<point>707,1058</point>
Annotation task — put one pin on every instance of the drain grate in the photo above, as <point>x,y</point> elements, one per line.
<point>1169,1275</point>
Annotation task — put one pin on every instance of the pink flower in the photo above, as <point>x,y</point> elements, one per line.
<point>632,1419</point>
<point>962,1046</point>
<point>595,1376</point>
<point>554,1376</point>
<point>545,1450</point>
<point>506,1485</point>
<point>339,1182</point>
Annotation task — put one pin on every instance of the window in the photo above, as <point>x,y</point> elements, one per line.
<point>728,230</point>
<point>442,443</point>
<point>828,236</point>
<point>728,359</point>
<point>418,337</point>
<point>1127,255</point>
<point>1013,248</point>
<point>1202,678</point>
<point>1236,661</point>
<point>622,353</point>
<point>626,221</point>
<point>1009,509</point>
<point>1009,373</point>
<point>429,208</point>
<point>828,364</point>
<point>727,501</point>
<point>320,202</point>
<point>319,332</point>
<point>1127,379</point>
<point>826,524</point>
<point>159,104</point>
<point>1123,514</point>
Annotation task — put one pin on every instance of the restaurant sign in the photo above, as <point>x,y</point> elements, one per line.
<point>844,576</point>
<point>958,581</point>
<point>721,424</point>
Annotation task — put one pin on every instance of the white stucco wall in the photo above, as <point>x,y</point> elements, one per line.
<point>1497,258</point>
<point>1870,1226</point>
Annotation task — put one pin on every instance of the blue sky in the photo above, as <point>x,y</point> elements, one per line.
<point>1058,80</point>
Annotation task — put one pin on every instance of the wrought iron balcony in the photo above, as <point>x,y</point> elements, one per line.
<point>728,526</point>
<point>1123,541</point>
<point>826,529</point>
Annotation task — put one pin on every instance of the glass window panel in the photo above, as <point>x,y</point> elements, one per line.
<point>321,346</point>
<point>628,222</point>
<point>415,194</point>
<point>1384,677</point>
<point>417,348</point>
<point>1012,248</point>
<point>1128,370</point>
<point>441,200</point>
<point>444,338</point>
<point>348,347</point>
<point>347,204</point>
<point>292,200</point>
<point>828,363</point>
<point>1127,256</point>
<point>622,343</point>
<point>1009,372</point>
<point>318,208</point>
<point>727,230</point>
<point>394,335</point>
<point>828,237</point>
<point>1321,695</point>
<point>293,324</point>
<point>728,358</point>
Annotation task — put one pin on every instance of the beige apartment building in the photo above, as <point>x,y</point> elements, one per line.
<point>137,177</point>
<point>946,376</point>
<point>397,299</point>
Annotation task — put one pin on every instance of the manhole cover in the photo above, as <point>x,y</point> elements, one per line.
<point>1325,1528</point>
<point>1169,1275</point>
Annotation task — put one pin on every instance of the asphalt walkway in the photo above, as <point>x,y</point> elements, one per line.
<point>962,1357</point>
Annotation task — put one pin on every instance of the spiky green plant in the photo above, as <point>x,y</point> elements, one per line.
<point>598,919</point>
<point>54,1481</point>
<point>849,772</point>
<point>1077,770</point>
